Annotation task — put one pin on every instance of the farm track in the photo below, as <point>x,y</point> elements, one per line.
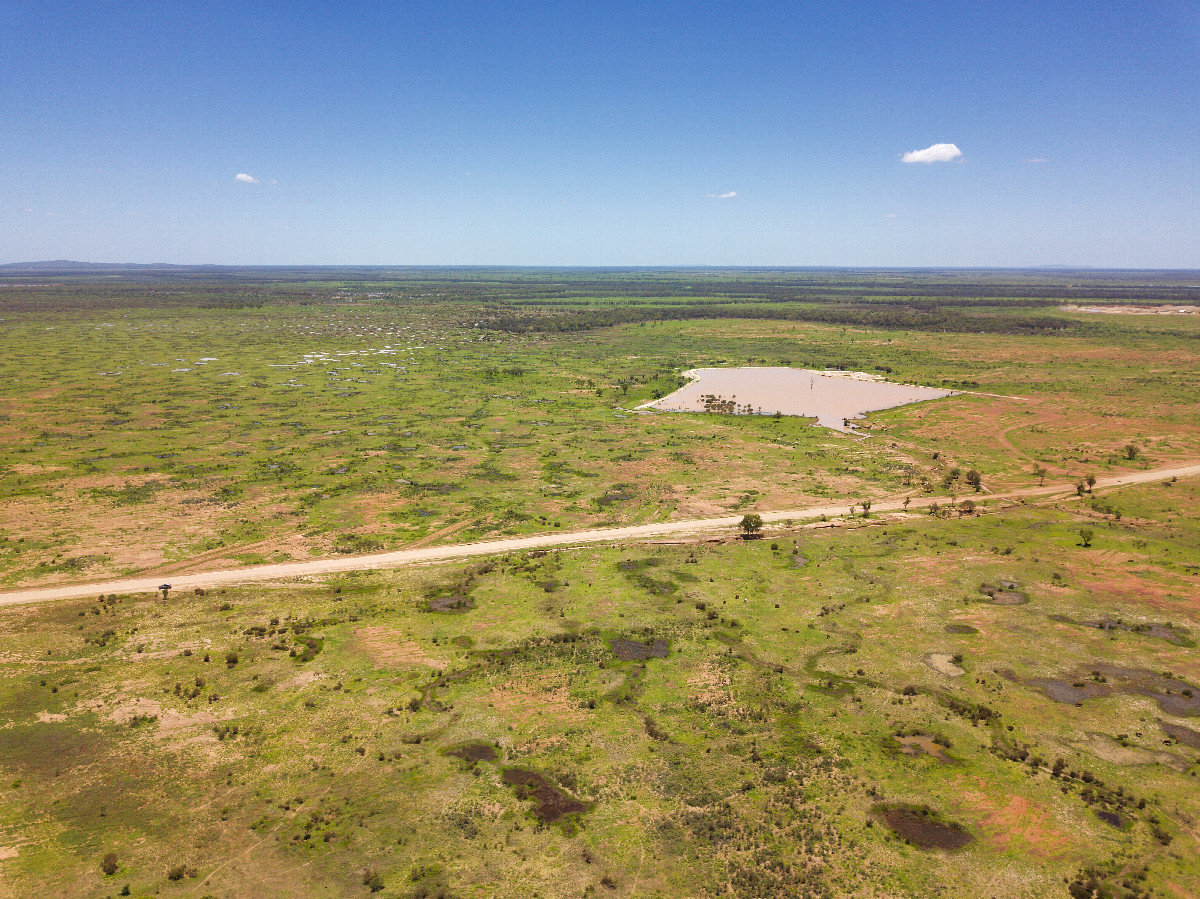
<point>398,558</point>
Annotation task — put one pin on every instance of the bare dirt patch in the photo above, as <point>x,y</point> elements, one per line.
<point>474,752</point>
<point>923,827</point>
<point>127,711</point>
<point>172,723</point>
<point>633,651</point>
<point>916,745</point>
<point>1019,821</point>
<point>1171,633</point>
<point>1184,735</point>
<point>1174,696</point>
<point>1074,692</point>
<point>1134,310</point>
<point>385,646</point>
<point>943,663</point>
<point>545,696</point>
<point>552,803</point>
<point>1109,750</point>
<point>450,602</point>
<point>1127,588</point>
<point>302,679</point>
<point>1004,594</point>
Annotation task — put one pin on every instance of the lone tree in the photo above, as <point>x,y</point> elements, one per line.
<point>975,479</point>
<point>1040,471</point>
<point>751,524</point>
<point>108,864</point>
<point>866,506</point>
<point>1086,535</point>
<point>1091,482</point>
<point>966,507</point>
<point>1131,451</point>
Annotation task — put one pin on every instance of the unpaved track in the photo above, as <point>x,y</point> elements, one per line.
<point>290,570</point>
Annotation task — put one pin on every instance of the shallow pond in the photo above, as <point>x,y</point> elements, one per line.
<point>833,398</point>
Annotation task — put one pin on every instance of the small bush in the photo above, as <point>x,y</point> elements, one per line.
<point>231,659</point>
<point>108,864</point>
<point>372,881</point>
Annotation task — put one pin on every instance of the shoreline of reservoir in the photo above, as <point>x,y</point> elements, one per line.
<point>833,398</point>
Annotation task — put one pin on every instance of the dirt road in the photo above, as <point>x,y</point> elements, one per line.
<point>289,570</point>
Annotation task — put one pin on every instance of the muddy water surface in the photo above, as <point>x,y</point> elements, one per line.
<point>829,397</point>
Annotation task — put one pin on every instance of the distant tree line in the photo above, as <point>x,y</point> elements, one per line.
<point>889,318</point>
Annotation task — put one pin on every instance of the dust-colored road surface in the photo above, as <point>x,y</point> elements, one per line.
<point>289,570</point>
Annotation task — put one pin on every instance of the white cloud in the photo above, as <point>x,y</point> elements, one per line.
<point>936,153</point>
<point>725,196</point>
<point>245,179</point>
<point>1037,160</point>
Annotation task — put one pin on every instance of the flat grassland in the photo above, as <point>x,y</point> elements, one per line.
<point>1001,700</point>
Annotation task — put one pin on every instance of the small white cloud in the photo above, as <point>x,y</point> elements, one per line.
<point>245,179</point>
<point>726,196</point>
<point>936,153</point>
<point>890,215</point>
<point>1037,160</point>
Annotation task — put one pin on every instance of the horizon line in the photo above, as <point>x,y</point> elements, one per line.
<point>1047,267</point>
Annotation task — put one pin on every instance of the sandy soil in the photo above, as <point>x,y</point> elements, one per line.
<point>290,570</point>
<point>944,662</point>
<point>1135,310</point>
<point>829,397</point>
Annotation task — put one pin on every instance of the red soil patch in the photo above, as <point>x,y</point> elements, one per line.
<point>386,647</point>
<point>1018,821</point>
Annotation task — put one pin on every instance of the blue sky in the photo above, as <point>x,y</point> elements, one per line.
<point>588,133</point>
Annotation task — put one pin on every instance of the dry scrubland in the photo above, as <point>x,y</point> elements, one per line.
<point>868,706</point>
